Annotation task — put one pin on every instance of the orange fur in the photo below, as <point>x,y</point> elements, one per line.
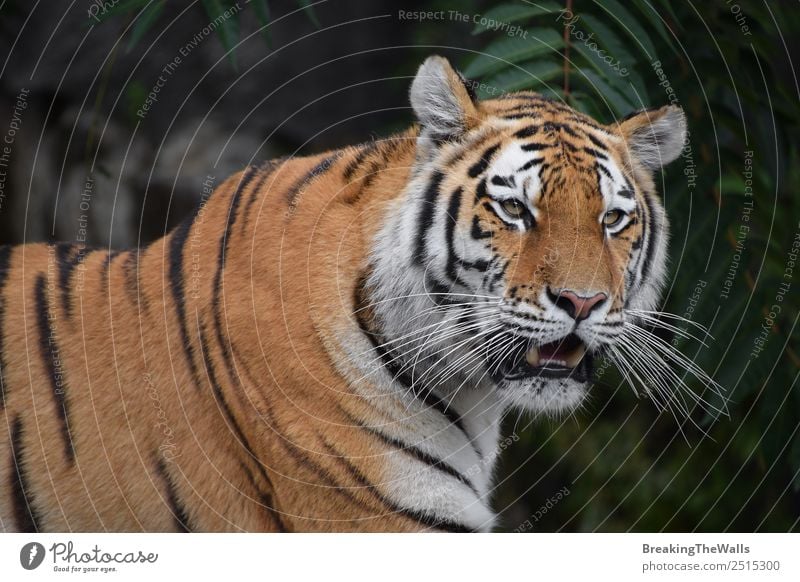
<point>153,391</point>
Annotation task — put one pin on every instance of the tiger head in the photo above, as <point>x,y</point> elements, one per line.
<point>534,234</point>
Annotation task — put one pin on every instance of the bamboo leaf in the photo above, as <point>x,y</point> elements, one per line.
<point>226,25</point>
<point>144,21</point>
<point>262,13</point>
<point>508,13</point>
<point>309,10</point>
<point>536,42</point>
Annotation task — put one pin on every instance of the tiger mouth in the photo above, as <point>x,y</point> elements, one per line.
<point>563,358</point>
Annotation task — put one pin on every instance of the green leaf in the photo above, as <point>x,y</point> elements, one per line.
<point>123,7</point>
<point>582,103</point>
<point>611,97</point>
<point>309,9</point>
<point>508,13</point>
<point>649,12</point>
<point>144,21</point>
<point>619,56</point>
<point>262,13</point>
<point>619,61</point>
<point>621,84</point>
<point>497,56</point>
<point>227,27</point>
<point>529,75</point>
<point>619,14</point>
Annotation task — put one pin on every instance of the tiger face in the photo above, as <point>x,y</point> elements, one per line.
<point>536,231</point>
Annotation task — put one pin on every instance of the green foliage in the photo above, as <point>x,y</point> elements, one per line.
<point>641,469</point>
<point>144,14</point>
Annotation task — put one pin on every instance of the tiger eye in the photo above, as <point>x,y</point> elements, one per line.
<point>613,217</point>
<point>513,208</point>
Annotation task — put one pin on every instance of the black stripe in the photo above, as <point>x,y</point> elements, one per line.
<point>176,244</point>
<point>597,143</point>
<point>450,229</point>
<point>420,455</point>
<point>175,505</point>
<point>526,132</point>
<point>267,170</point>
<point>529,164</point>
<point>50,353</point>
<point>318,170</point>
<point>506,181</point>
<point>221,338</point>
<point>553,127</point>
<point>631,222</point>
<point>535,146</point>
<point>131,270</point>
<point>66,263</point>
<point>481,192</point>
<point>480,166</point>
<point>5,266</point>
<point>651,240</point>
<point>596,153</point>
<point>626,194</point>
<point>353,165</point>
<point>304,462</point>
<point>426,215</point>
<point>265,499</point>
<point>373,172</point>
<point>426,519</point>
<point>105,266</point>
<point>477,232</point>
<point>25,516</point>
<point>601,168</point>
<point>393,365</point>
<point>230,421</point>
<point>219,278</point>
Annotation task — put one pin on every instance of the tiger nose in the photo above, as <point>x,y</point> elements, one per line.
<point>577,306</point>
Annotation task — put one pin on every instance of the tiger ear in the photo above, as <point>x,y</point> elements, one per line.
<point>442,101</point>
<point>655,137</point>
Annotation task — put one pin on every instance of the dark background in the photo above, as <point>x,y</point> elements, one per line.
<point>337,73</point>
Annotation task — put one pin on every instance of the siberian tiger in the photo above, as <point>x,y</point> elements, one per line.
<point>330,342</point>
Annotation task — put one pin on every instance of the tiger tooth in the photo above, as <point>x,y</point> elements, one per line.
<point>576,356</point>
<point>532,356</point>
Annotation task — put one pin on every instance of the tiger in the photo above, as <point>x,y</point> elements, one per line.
<point>330,343</point>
